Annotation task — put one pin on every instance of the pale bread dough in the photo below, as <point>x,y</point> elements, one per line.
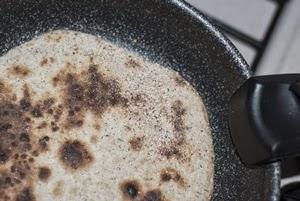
<point>126,142</point>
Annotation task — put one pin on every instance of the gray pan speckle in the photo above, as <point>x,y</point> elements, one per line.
<point>171,33</point>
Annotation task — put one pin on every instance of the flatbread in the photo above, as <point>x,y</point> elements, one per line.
<point>83,119</point>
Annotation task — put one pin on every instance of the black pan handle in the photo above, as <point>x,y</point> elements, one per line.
<point>265,118</point>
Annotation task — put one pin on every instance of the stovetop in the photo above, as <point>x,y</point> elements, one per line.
<point>265,31</point>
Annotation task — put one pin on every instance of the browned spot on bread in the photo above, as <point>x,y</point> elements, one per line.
<point>69,65</point>
<point>44,173</point>
<point>165,176</point>
<point>177,145</point>
<point>47,103</point>
<point>36,111</point>
<point>74,155</point>
<point>5,180</point>
<point>42,125</point>
<point>179,81</point>
<point>58,38</point>
<point>75,91</point>
<point>47,61</point>
<point>25,195</point>
<point>136,143</point>
<point>54,128</point>
<point>19,144</point>
<point>170,151</point>
<point>74,98</point>
<point>153,195</point>
<point>14,97</point>
<point>39,108</point>
<point>58,79</point>
<point>57,114</point>
<point>90,91</point>
<point>131,63</point>
<point>91,59</point>
<point>86,91</point>
<point>43,142</point>
<point>4,197</point>
<point>97,126</point>
<point>102,93</point>
<point>55,80</point>
<point>7,92</point>
<point>73,122</point>
<point>130,189</point>
<point>13,134</point>
<point>35,153</point>
<point>2,87</point>
<point>50,111</point>
<point>19,70</point>
<point>169,174</point>
<point>19,171</point>
<point>58,189</point>
<point>178,118</point>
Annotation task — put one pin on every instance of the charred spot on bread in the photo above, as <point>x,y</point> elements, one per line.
<point>44,173</point>
<point>26,195</point>
<point>43,142</point>
<point>75,155</point>
<point>153,195</point>
<point>130,189</point>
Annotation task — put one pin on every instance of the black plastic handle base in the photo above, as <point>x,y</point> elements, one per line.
<point>265,118</point>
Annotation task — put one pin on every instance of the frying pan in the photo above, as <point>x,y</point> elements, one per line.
<point>172,33</point>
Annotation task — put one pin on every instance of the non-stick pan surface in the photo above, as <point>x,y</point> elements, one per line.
<point>171,33</point>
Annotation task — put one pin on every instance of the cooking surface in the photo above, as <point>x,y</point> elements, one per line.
<point>147,29</point>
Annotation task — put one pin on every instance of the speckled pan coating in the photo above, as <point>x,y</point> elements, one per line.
<point>173,34</point>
